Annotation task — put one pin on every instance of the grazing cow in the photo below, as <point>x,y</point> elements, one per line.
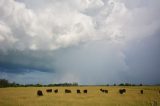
<point>56,91</point>
<point>49,90</point>
<point>67,91</point>
<point>85,91</point>
<point>78,91</point>
<point>121,91</point>
<point>141,91</point>
<point>101,90</point>
<point>105,91</point>
<point>39,93</point>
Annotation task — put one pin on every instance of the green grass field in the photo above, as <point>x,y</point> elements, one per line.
<point>27,96</point>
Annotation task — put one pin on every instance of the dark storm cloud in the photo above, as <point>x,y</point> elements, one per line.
<point>143,60</point>
<point>25,61</point>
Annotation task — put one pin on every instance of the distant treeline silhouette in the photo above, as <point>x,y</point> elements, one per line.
<point>5,83</point>
<point>128,84</point>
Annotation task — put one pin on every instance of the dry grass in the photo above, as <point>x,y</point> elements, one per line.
<point>27,96</point>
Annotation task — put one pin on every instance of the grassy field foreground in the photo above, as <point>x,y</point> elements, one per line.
<point>22,96</point>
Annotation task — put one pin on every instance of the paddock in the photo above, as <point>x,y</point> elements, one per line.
<point>27,96</point>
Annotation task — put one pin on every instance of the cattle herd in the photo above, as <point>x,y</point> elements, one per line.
<point>121,91</point>
<point>40,93</point>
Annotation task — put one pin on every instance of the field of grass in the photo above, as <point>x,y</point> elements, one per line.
<point>27,96</point>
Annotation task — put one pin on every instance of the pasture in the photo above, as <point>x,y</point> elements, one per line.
<point>27,96</point>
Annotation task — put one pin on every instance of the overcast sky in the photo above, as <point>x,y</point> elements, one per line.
<point>84,41</point>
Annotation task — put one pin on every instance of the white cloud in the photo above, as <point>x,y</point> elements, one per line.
<point>65,23</point>
<point>6,37</point>
<point>50,28</point>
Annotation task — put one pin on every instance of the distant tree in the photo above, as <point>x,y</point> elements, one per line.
<point>4,83</point>
<point>50,85</point>
<point>75,84</point>
<point>107,85</point>
<point>13,84</point>
<point>38,85</point>
<point>133,85</point>
<point>125,84</point>
<point>122,84</point>
<point>128,84</point>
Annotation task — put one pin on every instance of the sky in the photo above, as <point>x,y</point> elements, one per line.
<point>84,41</point>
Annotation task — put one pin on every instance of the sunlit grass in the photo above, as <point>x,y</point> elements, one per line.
<point>22,96</point>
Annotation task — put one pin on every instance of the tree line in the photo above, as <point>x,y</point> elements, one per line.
<point>6,83</point>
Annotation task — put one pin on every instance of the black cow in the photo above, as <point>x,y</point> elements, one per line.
<point>101,90</point>
<point>85,91</point>
<point>105,91</point>
<point>56,91</point>
<point>49,90</point>
<point>78,91</point>
<point>39,93</point>
<point>67,91</point>
<point>122,91</point>
<point>141,91</point>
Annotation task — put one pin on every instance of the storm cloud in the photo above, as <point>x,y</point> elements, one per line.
<point>85,41</point>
